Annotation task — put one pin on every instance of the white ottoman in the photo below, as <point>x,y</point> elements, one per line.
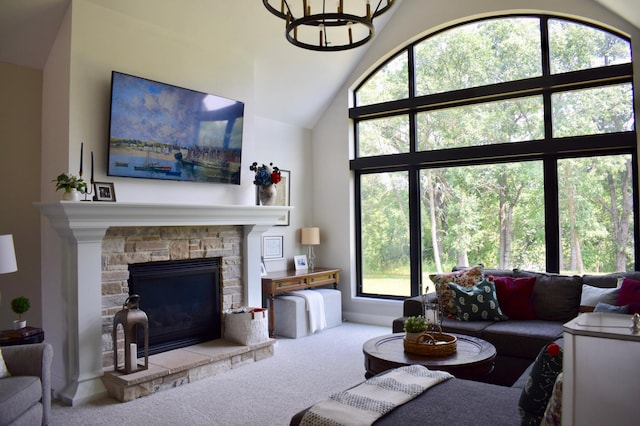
<point>332,306</point>
<point>290,316</point>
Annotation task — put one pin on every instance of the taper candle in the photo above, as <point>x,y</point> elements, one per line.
<point>81,152</point>
<point>92,167</point>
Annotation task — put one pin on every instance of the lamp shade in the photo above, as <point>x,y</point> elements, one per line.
<point>310,236</point>
<point>7,255</point>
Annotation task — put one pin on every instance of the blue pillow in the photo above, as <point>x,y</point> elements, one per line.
<point>479,302</point>
<point>605,307</point>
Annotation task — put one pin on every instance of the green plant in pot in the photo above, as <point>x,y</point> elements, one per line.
<point>414,326</point>
<point>20,305</point>
<point>70,184</point>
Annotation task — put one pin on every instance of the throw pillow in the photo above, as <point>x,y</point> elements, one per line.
<point>539,387</point>
<point>553,413</point>
<point>464,277</point>
<point>479,302</point>
<point>630,295</point>
<point>605,307</point>
<point>592,295</point>
<point>515,296</point>
<point>4,371</point>
<point>555,297</point>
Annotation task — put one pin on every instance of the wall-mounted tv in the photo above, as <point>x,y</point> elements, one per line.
<point>161,131</point>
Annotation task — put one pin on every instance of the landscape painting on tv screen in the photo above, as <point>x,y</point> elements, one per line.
<point>160,131</point>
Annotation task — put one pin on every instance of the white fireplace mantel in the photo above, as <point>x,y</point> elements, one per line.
<point>82,226</point>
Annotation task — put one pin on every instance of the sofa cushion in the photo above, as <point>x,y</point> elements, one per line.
<point>515,296</point>
<point>555,297</point>
<point>630,295</point>
<point>612,309</point>
<point>522,338</point>
<point>609,280</point>
<point>464,277</point>
<point>17,395</point>
<point>470,328</point>
<point>539,387</point>
<point>479,302</point>
<point>592,295</point>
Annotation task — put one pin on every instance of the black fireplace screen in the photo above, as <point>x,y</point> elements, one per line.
<point>181,299</point>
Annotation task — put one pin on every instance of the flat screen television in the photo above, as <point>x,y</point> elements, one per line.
<point>161,131</point>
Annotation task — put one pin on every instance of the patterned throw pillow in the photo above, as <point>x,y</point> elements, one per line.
<point>479,302</point>
<point>464,277</point>
<point>515,296</point>
<point>4,371</point>
<point>539,387</point>
<point>553,413</point>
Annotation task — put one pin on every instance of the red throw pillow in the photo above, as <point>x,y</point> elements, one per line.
<point>515,296</point>
<point>630,295</point>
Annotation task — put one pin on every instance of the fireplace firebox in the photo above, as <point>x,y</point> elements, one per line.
<point>181,299</point>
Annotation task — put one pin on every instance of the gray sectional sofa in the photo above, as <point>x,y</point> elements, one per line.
<point>557,300</point>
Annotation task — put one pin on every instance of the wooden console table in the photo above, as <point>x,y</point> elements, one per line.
<point>283,281</point>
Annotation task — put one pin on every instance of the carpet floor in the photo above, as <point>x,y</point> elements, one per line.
<point>301,372</point>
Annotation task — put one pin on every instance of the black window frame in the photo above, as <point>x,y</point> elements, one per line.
<point>549,150</point>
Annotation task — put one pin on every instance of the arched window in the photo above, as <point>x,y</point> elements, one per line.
<point>507,141</point>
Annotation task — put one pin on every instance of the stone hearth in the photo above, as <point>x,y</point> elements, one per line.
<point>82,226</point>
<point>181,366</point>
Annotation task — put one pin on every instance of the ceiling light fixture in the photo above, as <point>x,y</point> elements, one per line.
<point>308,23</point>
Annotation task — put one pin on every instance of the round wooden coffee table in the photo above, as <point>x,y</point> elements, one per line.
<point>473,358</point>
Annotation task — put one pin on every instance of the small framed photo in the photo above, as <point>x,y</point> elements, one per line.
<point>104,191</point>
<point>300,262</point>
<point>272,247</point>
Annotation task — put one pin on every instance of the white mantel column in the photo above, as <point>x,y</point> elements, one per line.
<point>252,245</point>
<point>81,271</point>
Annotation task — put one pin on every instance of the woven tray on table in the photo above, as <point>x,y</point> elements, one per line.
<point>432,344</point>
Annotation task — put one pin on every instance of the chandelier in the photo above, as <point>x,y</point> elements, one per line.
<point>310,25</point>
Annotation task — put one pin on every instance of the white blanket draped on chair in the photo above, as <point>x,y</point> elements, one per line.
<point>314,303</point>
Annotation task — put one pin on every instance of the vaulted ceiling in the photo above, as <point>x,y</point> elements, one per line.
<point>28,27</point>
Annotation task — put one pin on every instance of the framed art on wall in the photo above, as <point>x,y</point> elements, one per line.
<point>272,247</point>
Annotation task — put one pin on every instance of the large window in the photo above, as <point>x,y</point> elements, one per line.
<point>508,141</point>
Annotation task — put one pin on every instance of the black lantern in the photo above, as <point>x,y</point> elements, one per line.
<point>132,319</point>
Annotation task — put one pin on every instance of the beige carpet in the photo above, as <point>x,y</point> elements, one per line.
<point>302,372</point>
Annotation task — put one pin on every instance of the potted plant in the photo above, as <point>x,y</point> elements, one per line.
<point>20,305</point>
<point>73,186</point>
<point>413,326</point>
<point>265,179</point>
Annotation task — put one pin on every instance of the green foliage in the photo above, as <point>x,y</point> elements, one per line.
<point>416,324</point>
<point>20,305</point>
<point>494,214</point>
<point>69,182</point>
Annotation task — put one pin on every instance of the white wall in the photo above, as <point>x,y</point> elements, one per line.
<point>91,43</point>
<point>332,144</point>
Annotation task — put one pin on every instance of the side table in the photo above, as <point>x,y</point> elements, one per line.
<point>283,281</point>
<point>22,336</point>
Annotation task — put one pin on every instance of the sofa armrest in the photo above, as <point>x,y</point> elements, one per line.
<point>32,360</point>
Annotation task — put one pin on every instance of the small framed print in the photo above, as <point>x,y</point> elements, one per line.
<point>300,261</point>
<point>272,247</point>
<point>104,191</point>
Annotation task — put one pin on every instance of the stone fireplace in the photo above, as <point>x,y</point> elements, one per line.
<point>94,252</point>
<point>159,264</point>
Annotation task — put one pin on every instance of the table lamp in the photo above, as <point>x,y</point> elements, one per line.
<point>7,256</point>
<point>310,237</point>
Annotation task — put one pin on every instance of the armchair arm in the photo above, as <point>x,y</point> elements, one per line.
<point>32,360</point>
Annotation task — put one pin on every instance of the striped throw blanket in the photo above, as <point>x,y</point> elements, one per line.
<point>372,399</point>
